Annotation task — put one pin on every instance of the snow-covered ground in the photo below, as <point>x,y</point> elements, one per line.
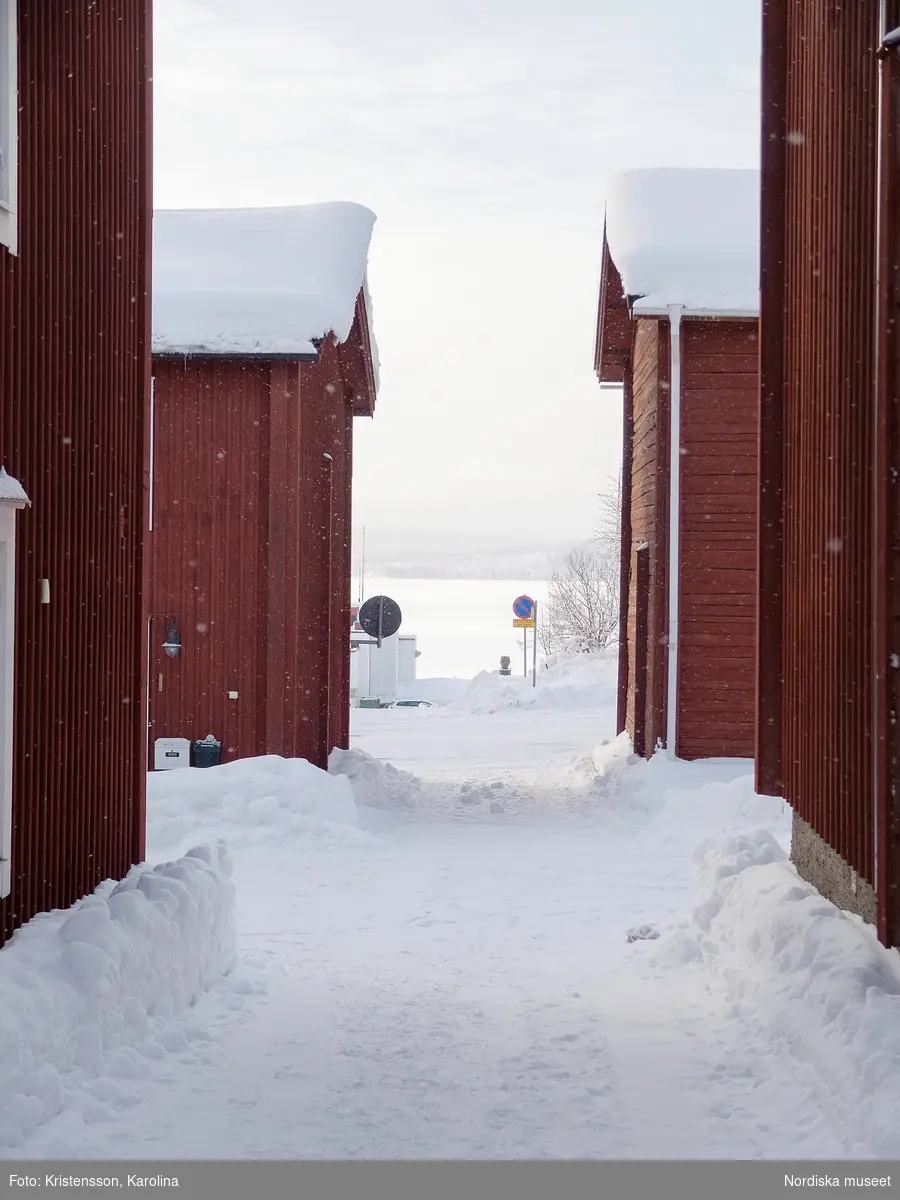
<point>486,934</point>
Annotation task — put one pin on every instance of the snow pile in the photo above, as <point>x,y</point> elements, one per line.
<point>681,802</point>
<point>375,784</point>
<point>580,681</point>
<point>258,280</point>
<point>816,978</point>
<point>86,990</point>
<point>436,689</point>
<point>11,490</point>
<point>252,800</point>
<point>688,237</point>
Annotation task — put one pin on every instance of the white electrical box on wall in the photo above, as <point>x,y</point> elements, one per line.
<point>170,753</point>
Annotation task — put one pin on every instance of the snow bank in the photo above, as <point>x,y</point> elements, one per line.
<point>687,801</point>
<point>87,989</point>
<point>577,682</point>
<point>258,280</point>
<point>252,800</point>
<point>688,237</point>
<point>814,977</point>
<point>436,689</point>
<point>375,784</point>
<point>11,490</point>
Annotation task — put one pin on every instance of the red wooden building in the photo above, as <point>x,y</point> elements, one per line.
<point>830,445</point>
<point>677,330</point>
<point>75,223</point>
<point>262,357</point>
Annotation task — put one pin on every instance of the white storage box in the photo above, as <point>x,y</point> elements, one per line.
<point>170,753</point>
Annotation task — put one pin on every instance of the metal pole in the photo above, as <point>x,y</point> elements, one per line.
<point>525,651</point>
<point>362,568</point>
<point>534,649</point>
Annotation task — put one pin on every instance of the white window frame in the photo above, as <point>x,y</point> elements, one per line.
<point>9,125</point>
<point>8,511</point>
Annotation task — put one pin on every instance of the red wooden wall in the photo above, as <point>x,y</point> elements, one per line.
<point>648,583</point>
<point>829,452</point>
<point>886,524</point>
<point>717,571</point>
<point>250,551</point>
<point>74,375</point>
<point>718,539</point>
<point>818,381</point>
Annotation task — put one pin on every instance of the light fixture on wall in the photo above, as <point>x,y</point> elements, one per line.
<point>172,644</point>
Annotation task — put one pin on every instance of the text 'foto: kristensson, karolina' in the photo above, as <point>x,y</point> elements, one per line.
<point>94,1181</point>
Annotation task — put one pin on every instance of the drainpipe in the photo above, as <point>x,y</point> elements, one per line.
<point>675,311</point>
<point>329,636</point>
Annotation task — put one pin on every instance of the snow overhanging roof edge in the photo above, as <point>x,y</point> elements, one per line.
<point>686,238</point>
<point>257,282</point>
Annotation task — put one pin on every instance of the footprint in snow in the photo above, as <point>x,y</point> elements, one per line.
<point>642,933</point>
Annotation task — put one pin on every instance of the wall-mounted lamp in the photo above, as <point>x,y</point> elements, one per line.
<point>172,644</point>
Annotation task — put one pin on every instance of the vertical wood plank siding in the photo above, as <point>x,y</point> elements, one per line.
<point>819,211</point>
<point>649,523</point>
<point>626,664</point>
<point>209,549</point>
<point>719,500</point>
<point>770,558</point>
<point>250,553</point>
<point>74,326</point>
<point>887,527</point>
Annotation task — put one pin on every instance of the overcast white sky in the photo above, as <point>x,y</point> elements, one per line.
<point>481,134</point>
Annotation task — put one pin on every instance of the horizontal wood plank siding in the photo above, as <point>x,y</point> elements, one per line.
<point>718,539</point>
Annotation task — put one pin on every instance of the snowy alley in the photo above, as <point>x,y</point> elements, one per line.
<point>506,944</point>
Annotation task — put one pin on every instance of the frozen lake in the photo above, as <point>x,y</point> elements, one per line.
<point>463,625</point>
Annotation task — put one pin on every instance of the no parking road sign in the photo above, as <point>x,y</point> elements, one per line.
<point>523,608</point>
<point>525,618</point>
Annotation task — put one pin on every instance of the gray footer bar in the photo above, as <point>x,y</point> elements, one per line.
<point>558,1180</point>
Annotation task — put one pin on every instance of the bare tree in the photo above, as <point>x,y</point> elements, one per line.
<point>609,529</point>
<point>582,609</point>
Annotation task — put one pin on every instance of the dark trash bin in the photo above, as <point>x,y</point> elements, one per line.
<point>207,753</point>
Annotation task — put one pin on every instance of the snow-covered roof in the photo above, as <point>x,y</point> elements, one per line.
<point>686,237</point>
<point>11,491</point>
<point>257,281</point>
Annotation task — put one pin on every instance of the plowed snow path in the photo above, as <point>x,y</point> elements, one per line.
<point>444,988</point>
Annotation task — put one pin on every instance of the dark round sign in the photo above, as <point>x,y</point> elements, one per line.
<point>380,617</point>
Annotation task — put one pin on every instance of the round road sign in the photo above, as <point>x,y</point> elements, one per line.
<point>380,617</point>
<point>523,607</point>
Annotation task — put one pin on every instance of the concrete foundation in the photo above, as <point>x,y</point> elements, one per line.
<point>829,874</point>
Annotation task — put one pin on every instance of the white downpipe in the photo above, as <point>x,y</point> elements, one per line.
<point>675,312</point>
<point>152,486</point>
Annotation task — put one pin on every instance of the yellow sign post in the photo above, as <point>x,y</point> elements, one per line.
<point>525,617</point>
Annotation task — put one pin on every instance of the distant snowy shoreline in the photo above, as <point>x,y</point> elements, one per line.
<point>474,572</point>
